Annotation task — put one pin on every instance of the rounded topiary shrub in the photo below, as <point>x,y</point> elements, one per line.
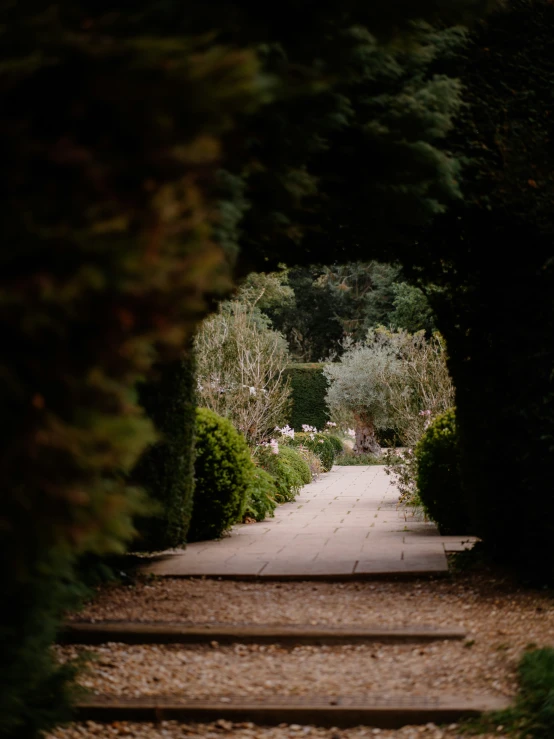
<point>320,445</point>
<point>223,469</point>
<point>438,476</point>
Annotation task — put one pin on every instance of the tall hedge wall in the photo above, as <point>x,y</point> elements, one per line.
<point>309,387</point>
<point>166,468</point>
<point>112,127</point>
<point>497,314</point>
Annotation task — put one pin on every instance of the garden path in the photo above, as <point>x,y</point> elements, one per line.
<point>345,525</point>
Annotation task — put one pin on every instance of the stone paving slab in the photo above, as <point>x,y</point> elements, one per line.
<point>346,524</point>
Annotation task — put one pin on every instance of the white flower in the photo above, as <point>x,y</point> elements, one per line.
<point>274,446</point>
<point>252,390</point>
<point>351,433</point>
<point>286,431</point>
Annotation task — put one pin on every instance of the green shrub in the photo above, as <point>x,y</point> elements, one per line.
<point>320,445</point>
<point>223,470</point>
<point>296,461</point>
<point>337,444</point>
<point>312,460</point>
<point>286,473</point>
<point>438,476</point>
<point>261,497</point>
<point>309,388</point>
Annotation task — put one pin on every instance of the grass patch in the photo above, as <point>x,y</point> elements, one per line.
<point>532,715</point>
<point>348,459</point>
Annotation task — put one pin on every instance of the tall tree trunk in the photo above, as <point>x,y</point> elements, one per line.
<point>366,440</point>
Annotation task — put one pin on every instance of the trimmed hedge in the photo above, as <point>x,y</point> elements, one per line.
<point>320,445</point>
<point>223,471</point>
<point>37,691</point>
<point>438,476</point>
<point>309,388</point>
<point>166,469</point>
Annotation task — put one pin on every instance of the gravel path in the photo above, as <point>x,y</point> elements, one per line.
<point>258,670</point>
<point>502,620</point>
<point>492,609</point>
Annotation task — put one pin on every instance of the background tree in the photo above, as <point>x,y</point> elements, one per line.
<point>241,364</point>
<point>391,380</point>
<point>310,321</point>
<point>358,384</point>
<point>348,169</point>
<point>417,395</point>
<point>412,310</point>
<point>332,302</point>
<point>422,389</point>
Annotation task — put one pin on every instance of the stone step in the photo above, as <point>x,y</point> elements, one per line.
<point>333,570</point>
<point>383,711</point>
<point>166,633</point>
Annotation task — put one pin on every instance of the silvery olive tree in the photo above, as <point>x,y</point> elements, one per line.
<point>359,386</point>
<point>393,379</point>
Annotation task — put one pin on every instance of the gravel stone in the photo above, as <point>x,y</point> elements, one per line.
<point>265,670</point>
<point>219,729</point>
